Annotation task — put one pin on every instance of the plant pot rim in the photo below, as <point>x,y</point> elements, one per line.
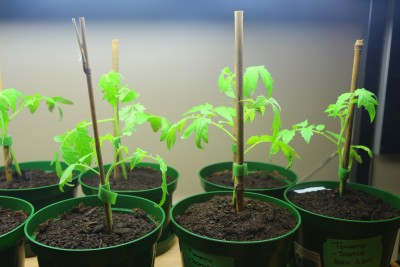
<point>254,190</point>
<point>93,249</point>
<point>74,179</point>
<point>335,184</point>
<point>20,227</point>
<point>291,209</point>
<point>170,185</point>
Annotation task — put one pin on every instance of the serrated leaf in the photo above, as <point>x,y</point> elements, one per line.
<point>227,113</point>
<point>250,81</point>
<point>367,100</point>
<point>287,135</point>
<point>66,176</point>
<point>320,127</point>
<point>137,157</point>
<point>226,82</point>
<point>127,95</point>
<point>341,105</point>
<point>110,84</point>
<point>307,133</point>
<point>9,99</point>
<point>267,80</point>
<point>300,124</point>
<point>204,109</point>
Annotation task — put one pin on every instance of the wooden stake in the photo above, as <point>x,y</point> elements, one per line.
<point>6,151</point>
<point>87,71</point>
<point>349,123</point>
<point>239,186</point>
<point>115,67</point>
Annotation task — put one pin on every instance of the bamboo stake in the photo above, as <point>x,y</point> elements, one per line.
<point>6,150</point>
<point>239,186</point>
<point>349,123</point>
<point>115,67</point>
<point>87,71</point>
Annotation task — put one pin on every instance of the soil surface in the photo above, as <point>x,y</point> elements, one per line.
<point>85,228</point>
<point>254,180</point>
<point>10,219</point>
<point>218,219</point>
<point>140,178</point>
<point>29,179</point>
<point>353,205</point>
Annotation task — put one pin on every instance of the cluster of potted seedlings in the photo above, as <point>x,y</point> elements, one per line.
<point>126,217</point>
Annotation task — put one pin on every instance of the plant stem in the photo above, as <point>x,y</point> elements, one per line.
<point>6,150</point>
<point>87,71</point>
<point>16,164</point>
<point>239,186</point>
<point>349,120</point>
<point>118,156</point>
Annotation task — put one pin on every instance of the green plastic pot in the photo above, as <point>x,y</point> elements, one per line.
<point>167,238</point>
<point>139,252</point>
<point>332,242</point>
<point>198,250</point>
<point>252,166</point>
<point>41,196</point>
<point>12,251</point>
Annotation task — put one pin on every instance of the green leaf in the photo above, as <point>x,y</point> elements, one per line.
<point>267,80</point>
<point>300,125</point>
<point>307,133</point>
<point>155,122</point>
<point>367,100</point>
<point>163,169</point>
<point>110,84</point>
<point>369,151</point>
<point>9,99</point>
<point>137,157</point>
<point>226,82</point>
<point>227,113</point>
<point>320,127</point>
<point>203,109</point>
<point>33,103</point>
<point>340,106</point>
<point>202,132</point>
<point>253,140</point>
<point>66,176</point>
<point>287,135</point>
<point>250,81</point>
<point>127,95</point>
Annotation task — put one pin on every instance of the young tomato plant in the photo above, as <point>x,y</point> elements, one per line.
<point>197,120</point>
<point>77,148</point>
<point>12,103</point>
<point>360,98</point>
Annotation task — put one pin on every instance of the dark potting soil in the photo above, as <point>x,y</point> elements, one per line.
<point>85,228</point>
<point>140,178</point>
<point>254,180</point>
<point>29,179</point>
<point>353,205</point>
<point>10,219</point>
<point>218,219</point>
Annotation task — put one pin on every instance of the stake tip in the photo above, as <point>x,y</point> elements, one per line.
<point>359,44</point>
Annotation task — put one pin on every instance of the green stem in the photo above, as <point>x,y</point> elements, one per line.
<point>224,130</point>
<point>16,165</point>
<point>118,152</point>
